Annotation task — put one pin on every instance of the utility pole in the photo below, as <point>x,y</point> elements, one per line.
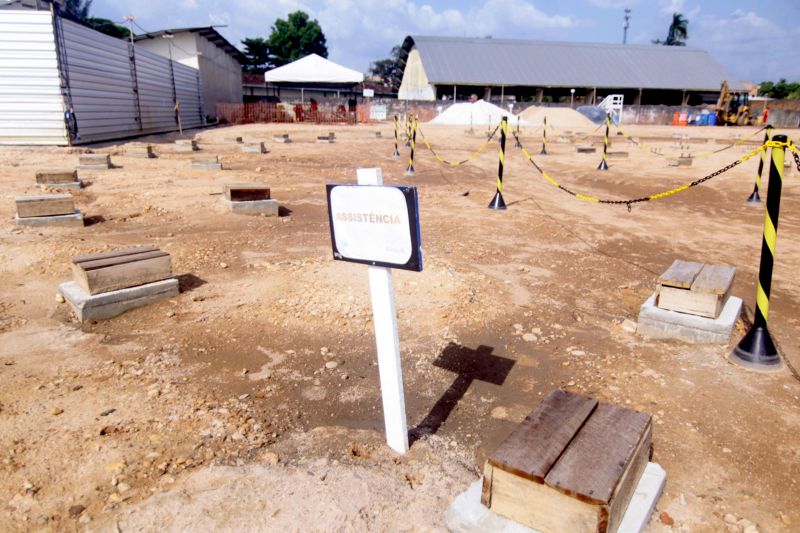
<point>626,25</point>
<point>130,19</point>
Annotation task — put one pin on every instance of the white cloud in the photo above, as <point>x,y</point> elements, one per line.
<point>668,7</point>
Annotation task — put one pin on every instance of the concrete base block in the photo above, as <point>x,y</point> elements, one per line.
<point>207,166</point>
<point>254,207</point>
<point>656,323</point>
<point>110,304</point>
<point>95,167</point>
<point>68,185</point>
<point>71,220</point>
<point>281,139</point>
<point>258,148</point>
<point>620,155</point>
<point>467,515</point>
<point>324,140</point>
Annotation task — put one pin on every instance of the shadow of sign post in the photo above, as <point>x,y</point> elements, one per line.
<point>469,365</point>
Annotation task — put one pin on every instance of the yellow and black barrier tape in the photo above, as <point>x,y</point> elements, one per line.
<point>664,194</point>
<point>457,163</point>
<point>649,150</point>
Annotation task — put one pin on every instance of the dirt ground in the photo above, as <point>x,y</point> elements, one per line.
<point>251,400</point>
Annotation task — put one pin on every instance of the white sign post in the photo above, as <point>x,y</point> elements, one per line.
<point>384,316</point>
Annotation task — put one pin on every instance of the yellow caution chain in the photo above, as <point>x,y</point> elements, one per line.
<point>649,150</point>
<point>663,194</point>
<point>457,163</point>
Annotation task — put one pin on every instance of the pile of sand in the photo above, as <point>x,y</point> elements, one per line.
<point>478,113</point>
<point>559,117</point>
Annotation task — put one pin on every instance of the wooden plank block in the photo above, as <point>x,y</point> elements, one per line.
<point>592,465</point>
<point>123,271</point>
<point>116,253</point>
<point>691,302</point>
<point>714,279</point>
<point>94,160</point>
<point>535,445</point>
<point>630,479</point>
<point>243,192</point>
<point>45,205</point>
<point>56,176</point>
<point>680,274</point>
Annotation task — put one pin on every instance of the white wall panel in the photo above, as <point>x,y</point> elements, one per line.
<point>31,105</point>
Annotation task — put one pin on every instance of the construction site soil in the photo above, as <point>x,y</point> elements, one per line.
<point>251,401</point>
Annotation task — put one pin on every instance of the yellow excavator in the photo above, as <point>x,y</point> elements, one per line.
<point>733,108</point>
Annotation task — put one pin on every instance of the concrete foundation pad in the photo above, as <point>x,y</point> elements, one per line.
<point>103,166</point>
<point>467,515</point>
<point>68,185</point>
<point>254,207</point>
<point>656,323</point>
<point>73,219</point>
<point>281,139</point>
<point>110,304</point>
<point>207,166</point>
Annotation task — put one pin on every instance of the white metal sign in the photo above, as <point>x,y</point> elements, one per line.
<point>375,225</point>
<point>369,93</point>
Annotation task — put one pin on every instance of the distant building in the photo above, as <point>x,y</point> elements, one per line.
<point>439,68</point>
<point>202,48</point>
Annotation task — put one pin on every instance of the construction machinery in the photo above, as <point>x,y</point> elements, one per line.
<point>733,108</point>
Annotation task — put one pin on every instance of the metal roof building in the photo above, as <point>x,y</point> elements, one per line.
<point>437,67</point>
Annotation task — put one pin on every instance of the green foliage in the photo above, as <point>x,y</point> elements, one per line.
<point>781,90</point>
<point>256,49</point>
<point>294,38</point>
<point>79,8</point>
<point>108,27</point>
<point>678,32</point>
<point>390,70</point>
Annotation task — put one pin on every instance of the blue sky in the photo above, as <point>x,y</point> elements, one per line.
<point>755,40</point>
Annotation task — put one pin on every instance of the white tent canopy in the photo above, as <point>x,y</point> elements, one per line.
<point>313,69</point>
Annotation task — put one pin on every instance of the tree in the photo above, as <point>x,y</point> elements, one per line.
<point>108,27</point>
<point>389,70</point>
<point>256,49</point>
<point>678,32</point>
<point>80,10</point>
<point>295,37</point>
<point>780,90</point>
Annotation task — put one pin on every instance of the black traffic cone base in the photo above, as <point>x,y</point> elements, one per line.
<point>543,152</point>
<point>756,351</point>
<point>754,198</point>
<point>497,202</point>
<point>396,153</point>
<point>410,171</point>
<point>603,165</point>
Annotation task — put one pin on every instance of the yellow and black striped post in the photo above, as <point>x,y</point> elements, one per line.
<point>409,127</point>
<point>413,137</point>
<point>754,198</point>
<point>756,348</point>
<point>544,137</point>
<point>603,164</point>
<point>517,144</point>
<point>396,152</point>
<point>498,202</point>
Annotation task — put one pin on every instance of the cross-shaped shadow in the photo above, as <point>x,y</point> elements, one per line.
<point>469,365</point>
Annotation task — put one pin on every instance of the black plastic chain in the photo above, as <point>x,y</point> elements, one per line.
<point>796,160</point>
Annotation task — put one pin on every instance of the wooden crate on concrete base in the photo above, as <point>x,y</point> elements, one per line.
<point>140,151</point>
<point>186,145</point>
<point>571,466</point>
<point>95,161</point>
<point>243,192</point>
<point>44,205</point>
<point>57,177</point>
<point>120,269</point>
<point>283,138</point>
<point>206,162</point>
<point>253,148</point>
<point>695,288</point>
<point>585,148</point>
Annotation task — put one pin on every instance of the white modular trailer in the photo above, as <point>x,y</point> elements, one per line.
<point>62,83</point>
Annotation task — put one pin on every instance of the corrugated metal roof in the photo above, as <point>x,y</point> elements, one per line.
<point>205,31</point>
<point>469,61</point>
